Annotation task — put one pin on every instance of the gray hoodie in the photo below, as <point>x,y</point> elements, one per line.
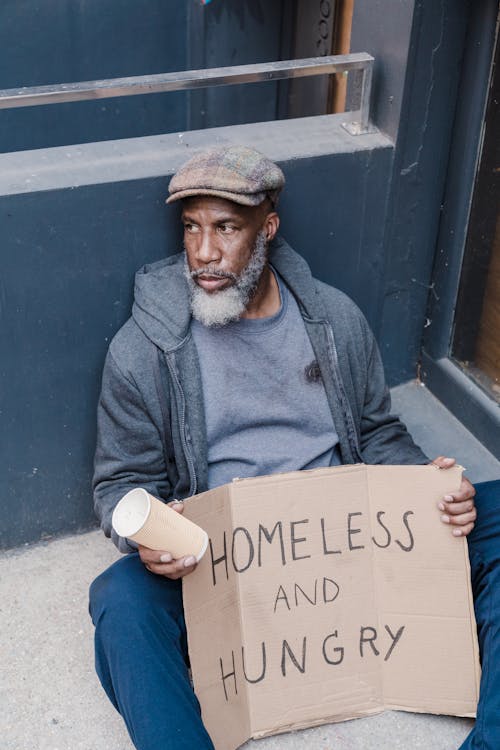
<point>151,424</point>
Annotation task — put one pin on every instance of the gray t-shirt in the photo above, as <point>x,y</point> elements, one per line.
<point>265,404</point>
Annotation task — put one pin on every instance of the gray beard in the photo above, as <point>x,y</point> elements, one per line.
<point>227,305</point>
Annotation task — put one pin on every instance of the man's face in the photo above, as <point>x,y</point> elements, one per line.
<point>219,238</point>
<point>225,247</point>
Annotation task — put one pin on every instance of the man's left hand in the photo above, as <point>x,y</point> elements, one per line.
<point>458,509</point>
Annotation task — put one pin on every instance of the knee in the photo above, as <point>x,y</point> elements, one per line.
<point>126,587</point>
<point>112,587</point>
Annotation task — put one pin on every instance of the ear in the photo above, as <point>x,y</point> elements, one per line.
<point>271,225</point>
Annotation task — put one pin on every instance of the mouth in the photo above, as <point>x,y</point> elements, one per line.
<point>212,283</point>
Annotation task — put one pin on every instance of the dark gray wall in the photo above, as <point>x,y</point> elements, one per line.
<point>383,28</point>
<point>424,82</point>
<point>239,32</point>
<point>64,41</point>
<point>71,242</point>
<point>66,287</point>
<point>468,134</point>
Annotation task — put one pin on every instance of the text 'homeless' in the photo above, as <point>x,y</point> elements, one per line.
<point>297,540</point>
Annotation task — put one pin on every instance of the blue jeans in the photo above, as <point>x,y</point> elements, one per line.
<point>141,649</point>
<point>141,656</point>
<point>484,554</point>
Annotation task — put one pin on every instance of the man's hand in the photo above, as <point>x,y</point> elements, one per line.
<point>458,508</point>
<point>162,563</point>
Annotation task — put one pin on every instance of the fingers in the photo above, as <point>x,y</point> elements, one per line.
<point>443,463</point>
<point>456,509</point>
<point>162,563</point>
<point>460,515</point>
<point>175,569</point>
<point>466,491</point>
<point>462,519</point>
<point>463,530</point>
<point>177,505</point>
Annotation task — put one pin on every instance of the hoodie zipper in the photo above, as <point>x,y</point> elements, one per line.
<point>184,438</point>
<point>334,360</point>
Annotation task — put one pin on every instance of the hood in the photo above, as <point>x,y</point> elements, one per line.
<point>161,295</point>
<point>161,302</point>
<point>295,271</point>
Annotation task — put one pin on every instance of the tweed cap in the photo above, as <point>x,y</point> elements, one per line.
<point>237,173</point>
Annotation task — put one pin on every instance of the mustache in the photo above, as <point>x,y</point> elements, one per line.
<point>208,271</point>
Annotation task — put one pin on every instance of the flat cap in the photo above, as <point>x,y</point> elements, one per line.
<point>237,173</point>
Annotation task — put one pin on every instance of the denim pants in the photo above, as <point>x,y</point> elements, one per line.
<point>141,649</point>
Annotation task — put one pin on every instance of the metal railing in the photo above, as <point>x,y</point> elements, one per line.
<point>198,79</point>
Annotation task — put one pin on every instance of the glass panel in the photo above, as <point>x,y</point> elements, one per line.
<point>488,342</point>
<point>476,341</point>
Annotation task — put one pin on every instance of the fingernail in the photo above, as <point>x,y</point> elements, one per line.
<point>441,506</point>
<point>189,561</point>
<point>177,502</point>
<point>457,532</point>
<point>448,498</point>
<point>445,519</point>
<point>167,557</point>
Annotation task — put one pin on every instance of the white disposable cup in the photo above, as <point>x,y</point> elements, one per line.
<point>153,524</point>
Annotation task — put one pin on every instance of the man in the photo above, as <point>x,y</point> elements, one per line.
<point>235,362</point>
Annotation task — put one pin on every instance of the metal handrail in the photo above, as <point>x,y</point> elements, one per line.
<point>197,79</point>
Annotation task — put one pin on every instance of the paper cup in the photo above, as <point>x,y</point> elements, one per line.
<point>145,519</point>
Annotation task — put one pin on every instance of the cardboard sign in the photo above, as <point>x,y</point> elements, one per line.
<point>327,595</point>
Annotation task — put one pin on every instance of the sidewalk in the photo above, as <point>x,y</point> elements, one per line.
<point>50,696</point>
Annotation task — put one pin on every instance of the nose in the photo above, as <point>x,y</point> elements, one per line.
<point>207,250</point>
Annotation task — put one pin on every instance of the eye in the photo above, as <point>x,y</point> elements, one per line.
<point>191,228</point>
<point>226,228</point>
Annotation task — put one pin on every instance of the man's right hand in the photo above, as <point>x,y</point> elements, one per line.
<point>162,563</point>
